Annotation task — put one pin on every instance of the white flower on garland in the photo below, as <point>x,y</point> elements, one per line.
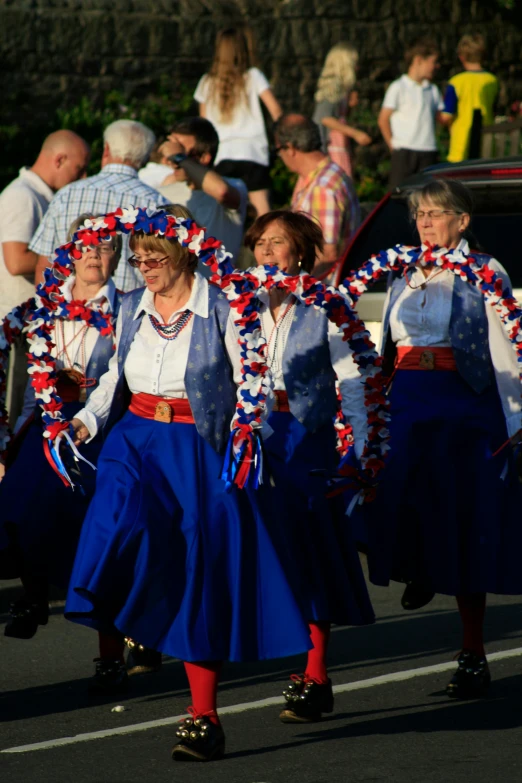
<point>195,242</point>
<point>40,366</point>
<point>128,215</point>
<point>37,345</point>
<point>45,395</point>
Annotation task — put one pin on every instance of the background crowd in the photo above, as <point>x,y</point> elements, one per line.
<point>217,164</point>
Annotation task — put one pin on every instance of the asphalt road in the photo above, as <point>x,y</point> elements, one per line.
<point>386,730</point>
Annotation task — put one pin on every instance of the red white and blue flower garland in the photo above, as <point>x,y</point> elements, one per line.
<point>245,287</point>
<point>243,461</point>
<point>463,265</point>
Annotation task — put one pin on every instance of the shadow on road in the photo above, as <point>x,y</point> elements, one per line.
<point>401,642</point>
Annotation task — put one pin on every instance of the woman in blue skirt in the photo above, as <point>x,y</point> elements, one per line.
<point>305,353</point>
<point>43,542</point>
<point>447,514</point>
<point>167,555</point>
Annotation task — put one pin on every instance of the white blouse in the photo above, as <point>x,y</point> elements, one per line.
<point>352,388</point>
<point>155,365</point>
<point>73,343</point>
<point>422,318</point>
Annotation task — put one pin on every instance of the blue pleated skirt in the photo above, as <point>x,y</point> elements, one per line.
<point>169,558</point>
<point>38,512</point>
<point>331,579</point>
<point>444,516</point>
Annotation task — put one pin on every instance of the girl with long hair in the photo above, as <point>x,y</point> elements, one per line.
<point>334,98</point>
<point>229,96</point>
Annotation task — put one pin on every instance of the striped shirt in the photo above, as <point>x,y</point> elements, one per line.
<point>117,185</point>
<point>327,194</point>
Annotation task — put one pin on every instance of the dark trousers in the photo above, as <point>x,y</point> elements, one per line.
<point>405,162</point>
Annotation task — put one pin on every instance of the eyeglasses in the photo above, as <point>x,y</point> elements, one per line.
<point>104,250</point>
<point>434,214</point>
<point>152,263</point>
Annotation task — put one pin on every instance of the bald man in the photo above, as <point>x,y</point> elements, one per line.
<point>63,159</point>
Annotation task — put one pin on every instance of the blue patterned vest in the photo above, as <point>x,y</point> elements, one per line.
<point>468,329</point>
<point>307,369</point>
<point>103,349</point>
<point>209,382</point>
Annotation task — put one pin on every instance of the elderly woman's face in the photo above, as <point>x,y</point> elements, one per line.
<point>159,277</point>
<point>275,247</point>
<point>439,226</point>
<point>96,264</point>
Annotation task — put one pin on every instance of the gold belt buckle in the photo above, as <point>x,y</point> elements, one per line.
<point>163,412</point>
<point>427,360</point>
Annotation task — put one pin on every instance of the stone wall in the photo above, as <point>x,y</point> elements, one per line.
<point>53,51</point>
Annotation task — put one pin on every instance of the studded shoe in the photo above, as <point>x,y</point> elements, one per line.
<point>141,660</point>
<point>25,617</point>
<point>472,678</point>
<point>198,739</point>
<point>110,677</point>
<point>306,700</point>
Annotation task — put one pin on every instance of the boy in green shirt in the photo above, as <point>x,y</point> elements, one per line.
<point>469,100</point>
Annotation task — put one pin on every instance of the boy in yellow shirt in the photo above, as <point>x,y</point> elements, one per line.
<point>469,100</point>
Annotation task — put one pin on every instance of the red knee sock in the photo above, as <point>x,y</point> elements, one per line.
<point>316,663</point>
<point>472,609</point>
<point>203,679</point>
<point>111,647</point>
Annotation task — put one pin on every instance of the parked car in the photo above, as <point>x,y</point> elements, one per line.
<point>496,185</point>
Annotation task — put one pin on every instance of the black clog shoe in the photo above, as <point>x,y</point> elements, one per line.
<point>25,617</point>
<point>110,677</point>
<point>306,700</point>
<point>199,739</point>
<point>415,596</point>
<point>141,660</point>
<point>472,678</point>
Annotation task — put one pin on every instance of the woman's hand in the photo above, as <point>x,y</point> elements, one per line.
<point>81,433</point>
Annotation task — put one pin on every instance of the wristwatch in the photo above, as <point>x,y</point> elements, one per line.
<point>178,158</point>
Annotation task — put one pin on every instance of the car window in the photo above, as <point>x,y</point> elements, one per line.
<point>498,215</point>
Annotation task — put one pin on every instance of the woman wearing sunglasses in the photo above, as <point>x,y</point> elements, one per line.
<point>447,514</point>
<point>167,554</point>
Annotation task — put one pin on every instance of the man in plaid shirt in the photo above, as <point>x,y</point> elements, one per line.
<point>127,145</point>
<point>323,190</point>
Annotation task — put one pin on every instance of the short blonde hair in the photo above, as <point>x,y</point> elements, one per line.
<point>472,48</point>
<point>338,75</point>
<point>179,211</point>
<point>182,257</point>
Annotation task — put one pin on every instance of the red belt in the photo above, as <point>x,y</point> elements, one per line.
<point>418,358</point>
<point>165,409</point>
<point>281,402</point>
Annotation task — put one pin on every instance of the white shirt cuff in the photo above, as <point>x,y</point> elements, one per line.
<point>90,421</point>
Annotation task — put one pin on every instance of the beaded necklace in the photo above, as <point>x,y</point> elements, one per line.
<point>273,361</point>
<point>171,331</point>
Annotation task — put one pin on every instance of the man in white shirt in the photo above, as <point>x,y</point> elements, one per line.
<point>63,159</point>
<point>23,203</point>
<point>217,203</point>
<point>409,110</point>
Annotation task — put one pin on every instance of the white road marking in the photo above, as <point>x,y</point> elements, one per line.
<point>272,701</point>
